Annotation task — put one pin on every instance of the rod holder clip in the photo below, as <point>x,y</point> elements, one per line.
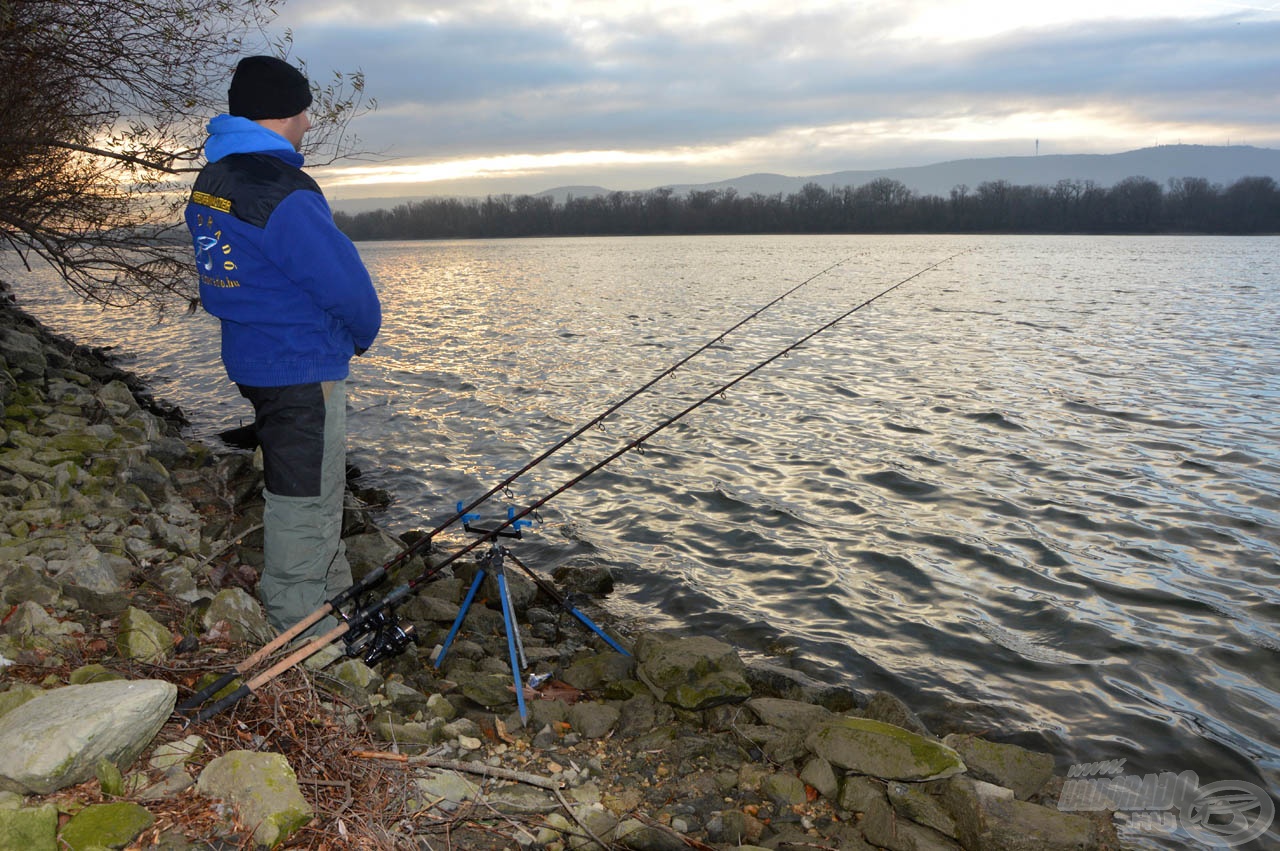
<point>511,529</point>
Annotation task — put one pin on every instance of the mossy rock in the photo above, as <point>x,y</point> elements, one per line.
<point>142,638</point>
<point>16,695</point>
<point>864,746</point>
<point>29,828</point>
<point>264,790</point>
<point>93,673</point>
<point>105,826</point>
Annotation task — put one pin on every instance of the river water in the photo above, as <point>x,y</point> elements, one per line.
<point>1035,491</point>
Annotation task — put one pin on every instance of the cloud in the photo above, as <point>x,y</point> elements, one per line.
<point>803,88</point>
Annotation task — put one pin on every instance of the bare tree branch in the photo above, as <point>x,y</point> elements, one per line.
<point>103,105</point>
<point>149,165</point>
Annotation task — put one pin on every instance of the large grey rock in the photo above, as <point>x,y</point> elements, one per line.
<point>859,794</point>
<point>87,568</point>
<point>404,699</point>
<point>769,679</point>
<point>31,619</point>
<point>92,673</point>
<point>490,690</point>
<point>819,774</point>
<point>151,478</point>
<point>890,709</point>
<point>779,745</point>
<point>884,828</point>
<point>19,462</point>
<point>264,790</point>
<point>996,822</point>
<point>785,789</point>
<point>179,584</point>
<point>354,678</point>
<point>597,820</point>
<point>176,753</point>
<point>184,538</point>
<point>24,353</point>
<point>874,748</point>
<point>1019,769</point>
<point>411,735</point>
<point>585,578</point>
<point>369,550</point>
<point>25,583</point>
<point>788,714</point>
<point>520,589</point>
<point>735,828</point>
<point>519,800</point>
<point>240,614</point>
<point>915,802</point>
<point>57,739</point>
<point>598,670</point>
<point>691,673</point>
<point>636,835</point>
<point>118,399</point>
<point>593,720</point>
<point>142,638</point>
<point>446,790</point>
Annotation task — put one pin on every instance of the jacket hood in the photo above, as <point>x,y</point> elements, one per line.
<point>232,134</point>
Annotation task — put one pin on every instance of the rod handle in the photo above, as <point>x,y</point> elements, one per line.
<point>205,693</point>
<point>226,703</point>
<point>373,578</point>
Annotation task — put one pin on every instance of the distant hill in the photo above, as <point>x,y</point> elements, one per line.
<point>561,193</point>
<point>1217,164</point>
<point>1222,165</point>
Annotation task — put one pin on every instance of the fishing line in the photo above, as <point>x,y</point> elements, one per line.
<point>515,516</point>
<point>597,420</point>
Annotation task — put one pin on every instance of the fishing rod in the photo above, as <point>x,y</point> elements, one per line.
<point>600,418</point>
<point>378,575</point>
<point>377,623</point>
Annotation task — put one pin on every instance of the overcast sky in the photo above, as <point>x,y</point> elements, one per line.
<point>517,96</point>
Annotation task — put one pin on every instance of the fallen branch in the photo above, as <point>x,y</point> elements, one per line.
<point>468,767</point>
<point>486,771</point>
<point>238,539</point>
<point>582,824</point>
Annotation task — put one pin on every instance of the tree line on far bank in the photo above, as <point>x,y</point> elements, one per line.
<point>1136,205</point>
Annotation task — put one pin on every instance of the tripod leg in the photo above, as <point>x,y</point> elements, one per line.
<point>550,591</point>
<point>462,613</point>
<point>597,630</point>
<point>509,618</point>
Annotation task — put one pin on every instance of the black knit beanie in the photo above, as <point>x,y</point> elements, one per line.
<point>267,87</point>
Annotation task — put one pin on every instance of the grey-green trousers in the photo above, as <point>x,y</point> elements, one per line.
<point>303,432</point>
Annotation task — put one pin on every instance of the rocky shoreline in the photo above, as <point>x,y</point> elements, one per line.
<point>127,559</point>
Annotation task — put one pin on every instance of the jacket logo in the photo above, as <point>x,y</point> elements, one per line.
<point>205,245</point>
<point>204,199</point>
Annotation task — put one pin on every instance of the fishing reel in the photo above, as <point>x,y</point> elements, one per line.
<point>381,636</point>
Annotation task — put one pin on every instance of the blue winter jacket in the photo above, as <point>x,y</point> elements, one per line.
<point>295,300</point>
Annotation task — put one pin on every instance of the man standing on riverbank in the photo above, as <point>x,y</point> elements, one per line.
<point>296,303</point>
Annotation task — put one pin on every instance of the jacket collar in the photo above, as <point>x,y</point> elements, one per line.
<point>232,134</point>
